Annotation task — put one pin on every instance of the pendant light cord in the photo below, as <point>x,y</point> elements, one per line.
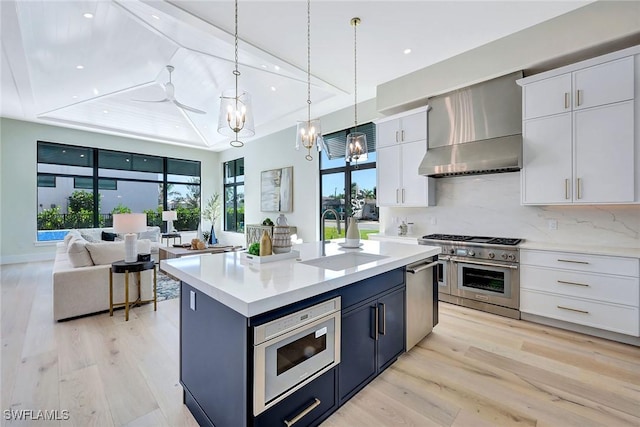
<point>355,22</point>
<point>236,73</point>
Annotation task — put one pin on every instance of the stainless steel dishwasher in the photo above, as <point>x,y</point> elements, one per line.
<point>422,300</point>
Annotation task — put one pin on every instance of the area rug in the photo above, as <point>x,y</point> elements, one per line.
<point>167,287</point>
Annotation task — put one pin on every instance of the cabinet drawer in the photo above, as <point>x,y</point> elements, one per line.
<point>581,262</point>
<point>598,287</point>
<point>610,317</point>
<point>322,390</point>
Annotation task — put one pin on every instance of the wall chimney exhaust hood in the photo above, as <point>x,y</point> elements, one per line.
<point>476,130</point>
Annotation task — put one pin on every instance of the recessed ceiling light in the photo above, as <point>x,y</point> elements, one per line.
<point>75,97</point>
<point>80,67</point>
<point>105,111</point>
<point>273,88</point>
<point>177,126</point>
<point>88,15</point>
<point>96,91</point>
<point>263,66</point>
<point>407,51</point>
<point>276,67</point>
<point>155,16</point>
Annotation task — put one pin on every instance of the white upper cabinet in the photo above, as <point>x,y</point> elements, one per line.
<point>401,144</point>
<point>399,129</point>
<point>580,145</point>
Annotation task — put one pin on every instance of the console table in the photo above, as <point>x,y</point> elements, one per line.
<point>253,232</point>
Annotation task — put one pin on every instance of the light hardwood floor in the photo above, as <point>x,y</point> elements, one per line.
<point>475,369</point>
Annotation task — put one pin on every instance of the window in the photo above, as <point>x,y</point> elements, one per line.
<point>234,195</point>
<point>336,176</point>
<point>80,187</point>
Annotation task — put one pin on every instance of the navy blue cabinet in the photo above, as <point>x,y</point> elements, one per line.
<point>308,406</point>
<point>373,336</point>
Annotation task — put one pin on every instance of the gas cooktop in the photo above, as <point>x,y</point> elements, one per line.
<point>473,239</point>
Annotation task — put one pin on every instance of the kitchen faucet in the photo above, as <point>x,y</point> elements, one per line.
<point>335,213</point>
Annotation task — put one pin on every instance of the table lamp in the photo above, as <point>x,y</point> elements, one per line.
<point>129,224</point>
<point>169,216</point>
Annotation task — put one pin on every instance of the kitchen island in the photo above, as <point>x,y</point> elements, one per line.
<point>225,299</point>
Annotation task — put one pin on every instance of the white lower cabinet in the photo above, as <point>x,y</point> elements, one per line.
<point>598,291</point>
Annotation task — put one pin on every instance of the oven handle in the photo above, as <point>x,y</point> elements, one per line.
<point>422,267</point>
<point>488,264</point>
<point>302,414</point>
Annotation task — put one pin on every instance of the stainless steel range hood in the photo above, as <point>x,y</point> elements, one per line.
<point>476,130</point>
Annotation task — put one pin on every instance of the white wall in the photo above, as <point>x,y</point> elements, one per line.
<point>490,205</point>
<point>18,187</point>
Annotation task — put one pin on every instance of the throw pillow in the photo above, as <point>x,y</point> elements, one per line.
<point>77,253</point>
<point>109,237</point>
<point>89,237</point>
<point>149,234</point>
<point>105,253</point>
<point>68,236</point>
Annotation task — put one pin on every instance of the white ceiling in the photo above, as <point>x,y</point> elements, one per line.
<point>126,46</point>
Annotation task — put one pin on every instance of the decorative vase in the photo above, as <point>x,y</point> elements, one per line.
<point>212,237</point>
<point>281,220</point>
<point>353,233</point>
<point>265,244</point>
<point>281,239</point>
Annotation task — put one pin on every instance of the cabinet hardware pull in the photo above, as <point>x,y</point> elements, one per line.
<point>298,417</point>
<point>579,96</point>
<point>564,282</point>
<point>573,309</point>
<point>396,136</point>
<point>575,262</point>
<point>402,139</point>
<point>403,195</point>
<point>422,267</point>
<point>384,318</point>
<point>566,100</point>
<point>375,326</point>
<point>566,188</point>
<point>578,185</point>
<point>397,195</point>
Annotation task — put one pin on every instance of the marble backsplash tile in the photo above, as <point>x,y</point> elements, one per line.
<point>490,205</point>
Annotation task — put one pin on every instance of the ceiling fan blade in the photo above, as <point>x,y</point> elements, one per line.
<point>186,107</point>
<point>145,100</point>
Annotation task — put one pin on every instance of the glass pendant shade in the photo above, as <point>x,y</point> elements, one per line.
<point>236,115</point>
<point>356,147</point>
<point>308,135</point>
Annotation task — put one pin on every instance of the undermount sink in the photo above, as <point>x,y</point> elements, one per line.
<point>343,261</point>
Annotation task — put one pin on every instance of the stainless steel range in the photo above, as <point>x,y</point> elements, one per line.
<point>478,272</point>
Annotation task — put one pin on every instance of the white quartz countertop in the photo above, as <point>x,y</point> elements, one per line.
<point>252,289</point>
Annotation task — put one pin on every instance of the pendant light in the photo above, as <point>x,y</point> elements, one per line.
<point>309,132</point>
<point>236,115</point>
<point>356,146</point>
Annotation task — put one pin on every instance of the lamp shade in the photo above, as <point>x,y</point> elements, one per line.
<point>130,223</point>
<point>356,147</point>
<point>169,215</point>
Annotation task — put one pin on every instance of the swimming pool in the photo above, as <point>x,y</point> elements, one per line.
<point>51,235</point>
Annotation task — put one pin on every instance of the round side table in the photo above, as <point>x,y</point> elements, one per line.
<point>126,268</point>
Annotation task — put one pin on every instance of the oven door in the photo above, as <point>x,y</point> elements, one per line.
<point>442,274</point>
<point>285,363</point>
<point>493,283</point>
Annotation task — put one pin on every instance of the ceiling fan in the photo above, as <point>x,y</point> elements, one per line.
<point>169,90</point>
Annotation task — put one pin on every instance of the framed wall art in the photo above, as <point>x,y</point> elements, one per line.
<point>276,190</point>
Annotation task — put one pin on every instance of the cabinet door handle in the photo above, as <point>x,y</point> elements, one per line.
<point>572,309</point>
<point>383,328</point>
<point>402,134</point>
<point>375,322</point>
<point>564,282</point>
<point>566,188</point>
<point>403,195</point>
<point>566,100</point>
<point>314,405</point>
<point>397,195</point>
<point>572,261</point>
<point>396,136</point>
<point>579,97</point>
<point>578,188</point>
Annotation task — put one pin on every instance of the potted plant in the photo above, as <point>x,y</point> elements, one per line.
<point>211,212</point>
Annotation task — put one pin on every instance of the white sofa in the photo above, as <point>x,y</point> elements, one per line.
<point>81,272</point>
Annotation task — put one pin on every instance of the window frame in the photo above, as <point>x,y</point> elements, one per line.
<point>234,185</point>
